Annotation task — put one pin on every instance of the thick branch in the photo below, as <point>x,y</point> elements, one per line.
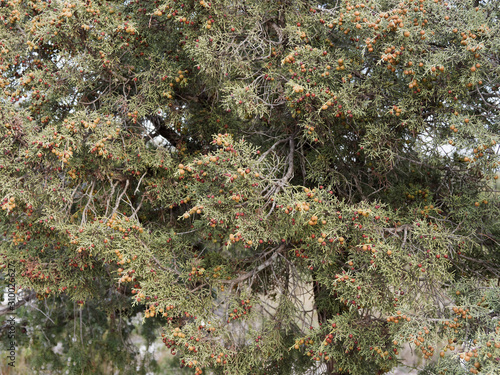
<point>4,310</point>
<point>253,272</point>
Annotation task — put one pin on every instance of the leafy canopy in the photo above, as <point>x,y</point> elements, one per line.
<point>285,186</point>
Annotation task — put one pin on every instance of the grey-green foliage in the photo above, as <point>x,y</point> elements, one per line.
<point>286,186</point>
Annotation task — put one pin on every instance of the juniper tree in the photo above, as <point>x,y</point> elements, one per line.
<point>287,186</point>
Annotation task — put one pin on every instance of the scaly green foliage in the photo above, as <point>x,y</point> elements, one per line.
<point>287,186</point>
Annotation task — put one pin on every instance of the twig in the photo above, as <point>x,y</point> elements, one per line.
<point>118,200</point>
<point>271,149</point>
<point>139,183</point>
<point>84,213</point>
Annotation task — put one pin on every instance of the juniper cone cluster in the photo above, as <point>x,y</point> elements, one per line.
<point>286,187</point>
